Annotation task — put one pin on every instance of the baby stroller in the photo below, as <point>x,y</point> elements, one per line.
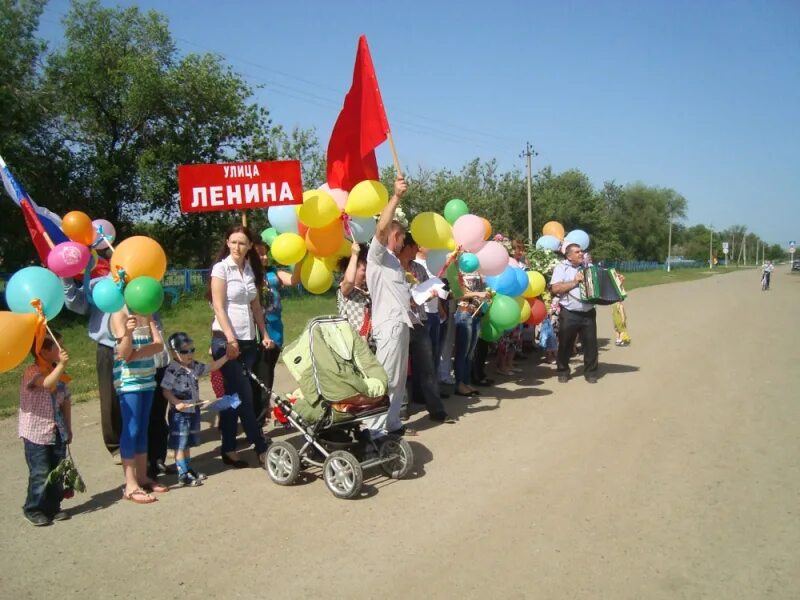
<point>341,385</point>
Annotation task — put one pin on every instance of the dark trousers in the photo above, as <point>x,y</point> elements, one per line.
<point>236,382</point>
<point>264,369</point>
<point>572,323</point>
<point>424,382</point>
<point>479,362</point>
<point>158,430</point>
<point>110,414</point>
<point>433,327</point>
<point>41,459</point>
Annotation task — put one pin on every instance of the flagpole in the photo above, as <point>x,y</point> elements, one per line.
<point>394,154</point>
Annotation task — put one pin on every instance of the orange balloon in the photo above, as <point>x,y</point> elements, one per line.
<point>488,227</point>
<point>553,228</point>
<point>325,241</point>
<point>18,333</point>
<point>139,255</point>
<point>78,227</point>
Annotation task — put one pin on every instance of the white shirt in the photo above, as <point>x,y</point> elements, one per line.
<point>432,305</point>
<point>387,284</point>
<point>565,272</point>
<point>240,291</point>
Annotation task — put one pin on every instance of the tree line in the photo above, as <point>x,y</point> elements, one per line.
<point>100,124</point>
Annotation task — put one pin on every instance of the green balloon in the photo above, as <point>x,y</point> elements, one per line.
<point>504,312</point>
<point>489,332</point>
<point>452,279</point>
<point>454,209</point>
<point>144,295</point>
<point>268,236</point>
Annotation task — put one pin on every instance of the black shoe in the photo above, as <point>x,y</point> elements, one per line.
<point>443,395</point>
<point>236,463</point>
<point>62,515</point>
<point>485,382</point>
<point>38,519</point>
<point>442,417</point>
<point>196,475</point>
<point>563,378</point>
<point>165,469</point>
<point>188,480</point>
<point>590,379</point>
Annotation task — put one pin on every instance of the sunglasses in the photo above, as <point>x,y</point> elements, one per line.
<point>187,351</point>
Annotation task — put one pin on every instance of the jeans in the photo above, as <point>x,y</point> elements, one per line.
<point>467,329</point>
<point>236,382</point>
<point>135,408</point>
<point>433,327</point>
<point>41,459</point>
<point>570,324</point>
<point>424,384</point>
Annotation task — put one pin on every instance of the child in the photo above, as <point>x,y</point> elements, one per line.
<point>182,391</point>
<point>620,325</point>
<point>45,426</point>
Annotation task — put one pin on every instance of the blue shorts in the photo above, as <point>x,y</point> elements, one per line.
<point>184,428</point>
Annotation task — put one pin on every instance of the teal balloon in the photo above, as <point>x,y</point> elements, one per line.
<point>269,235</point>
<point>144,295</point>
<point>33,283</point>
<point>489,332</point>
<point>468,262</point>
<point>363,228</point>
<point>107,296</point>
<point>504,312</point>
<point>454,209</point>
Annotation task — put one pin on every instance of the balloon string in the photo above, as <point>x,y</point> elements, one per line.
<point>36,303</point>
<point>53,337</point>
<point>348,231</point>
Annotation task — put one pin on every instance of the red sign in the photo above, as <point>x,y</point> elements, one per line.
<point>239,186</point>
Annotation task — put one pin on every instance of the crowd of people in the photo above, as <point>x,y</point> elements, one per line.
<point>149,384</point>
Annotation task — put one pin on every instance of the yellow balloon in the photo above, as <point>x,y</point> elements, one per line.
<point>553,228</point>
<point>318,209</point>
<point>139,255</point>
<point>524,309</point>
<point>317,278</point>
<point>431,230</point>
<point>18,332</point>
<point>366,199</point>
<point>536,285</point>
<point>288,248</point>
<point>451,244</point>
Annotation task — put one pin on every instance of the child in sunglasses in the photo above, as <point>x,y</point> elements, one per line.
<point>182,391</point>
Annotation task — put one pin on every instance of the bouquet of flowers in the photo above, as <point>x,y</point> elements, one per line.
<point>541,260</point>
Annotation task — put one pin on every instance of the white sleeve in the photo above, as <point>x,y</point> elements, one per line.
<point>559,275</point>
<point>218,271</point>
<point>377,252</point>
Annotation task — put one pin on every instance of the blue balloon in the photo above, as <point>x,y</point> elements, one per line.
<point>363,229</point>
<point>549,242</point>
<point>35,283</point>
<point>522,282</point>
<point>505,283</point>
<point>468,262</point>
<point>107,296</point>
<point>435,260</point>
<point>578,236</point>
<point>283,218</point>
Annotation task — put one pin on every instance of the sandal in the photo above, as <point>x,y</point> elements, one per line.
<point>154,486</point>
<point>139,496</point>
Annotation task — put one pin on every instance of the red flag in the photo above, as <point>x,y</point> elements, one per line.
<point>362,125</point>
<point>39,237</point>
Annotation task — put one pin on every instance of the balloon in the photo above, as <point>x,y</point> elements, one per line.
<point>268,235</point>
<point>489,332</point>
<point>469,232</point>
<point>578,236</point>
<point>536,284</point>
<point>452,279</point>
<point>554,228</point>
<point>144,295</point>
<point>315,275</point>
<point>538,311</point>
<point>366,199</point>
<point>549,242</point>
<point>339,196</point>
<point>139,256</point>
<point>107,296</point>
<point>505,283</point>
<point>288,248</point>
<point>468,262</point>
<point>454,209</point>
<point>430,230</point>
<point>325,241</point>
<point>104,232</point>
<point>436,260</point>
<point>78,227</point>
<point>318,209</point>
<point>68,259</point>
<point>522,281</point>
<point>17,339</point>
<point>524,309</point>
<point>283,218</point>
<point>362,228</point>
<point>344,249</point>
<point>488,227</point>
<point>504,312</point>
<point>493,258</point>
<point>33,283</point>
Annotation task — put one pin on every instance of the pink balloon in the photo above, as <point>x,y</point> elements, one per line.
<point>512,262</point>
<point>68,259</point>
<point>339,196</point>
<point>469,231</point>
<point>108,232</point>
<point>493,258</point>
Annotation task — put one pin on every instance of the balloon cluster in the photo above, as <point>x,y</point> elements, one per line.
<point>137,267</point>
<point>315,234</point>
<point>554,239</point>
<point>72,258</point>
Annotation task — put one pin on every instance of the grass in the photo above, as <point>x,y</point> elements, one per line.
<point>648,278</point>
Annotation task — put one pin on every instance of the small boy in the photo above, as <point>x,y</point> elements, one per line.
<point>45,426</point>
<point>182,390</point>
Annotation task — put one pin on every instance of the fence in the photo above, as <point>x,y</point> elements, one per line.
<point>633,266</point>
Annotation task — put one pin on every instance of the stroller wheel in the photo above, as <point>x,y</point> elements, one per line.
<point>283,463</point>
<point>397,447</point>
<point>342,474</point>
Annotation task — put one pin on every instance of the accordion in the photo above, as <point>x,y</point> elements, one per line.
<point>601,286</point>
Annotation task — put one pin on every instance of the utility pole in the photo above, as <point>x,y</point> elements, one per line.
<point>711,248</point>
<point>528,153</point>
<point>669,245</point>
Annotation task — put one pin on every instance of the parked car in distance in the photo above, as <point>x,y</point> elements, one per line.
<point>796,265</point>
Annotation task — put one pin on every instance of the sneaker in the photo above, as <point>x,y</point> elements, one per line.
<point>37,519</point>
<point>188,480</point>
<point>116,458</point>
<point>62,515</point>
<point>442,417</point>
<point>196,475</point>
<point>563,378</point>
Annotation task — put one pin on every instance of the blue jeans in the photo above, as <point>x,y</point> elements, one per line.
<point>434,327</point>
<point>467,329</point>
<point>236,382</point>
<point>41,459</point>
<point>135,408</point>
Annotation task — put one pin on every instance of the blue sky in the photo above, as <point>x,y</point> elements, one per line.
<point>703,97</point>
